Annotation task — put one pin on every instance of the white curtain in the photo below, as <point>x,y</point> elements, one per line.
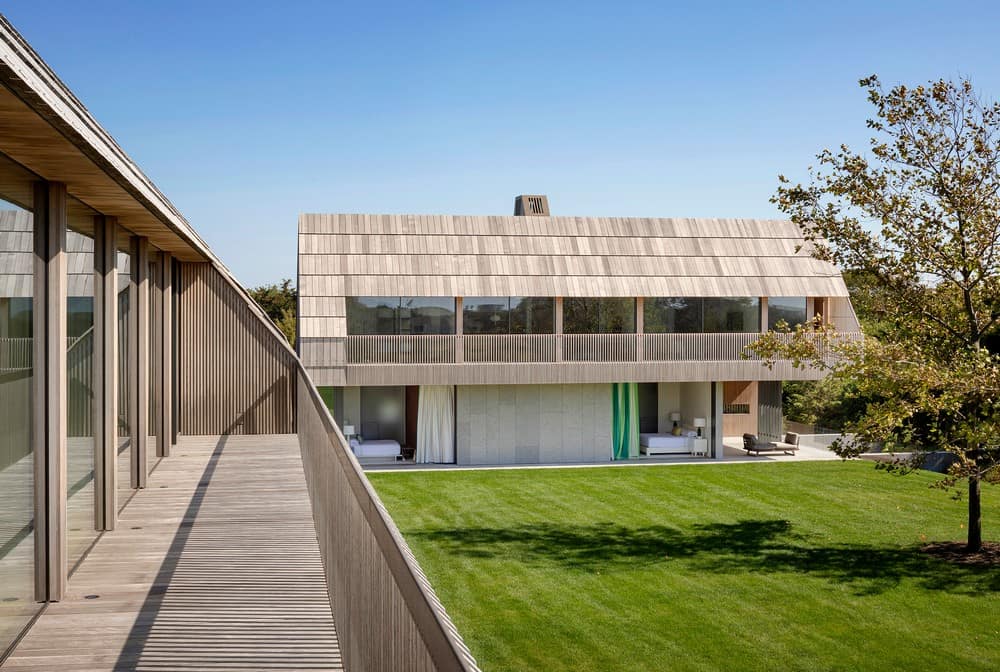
<point>435,424</point>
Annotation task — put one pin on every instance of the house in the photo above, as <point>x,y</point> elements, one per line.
<point>543,339</point>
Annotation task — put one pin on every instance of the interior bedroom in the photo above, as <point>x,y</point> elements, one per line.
<point>399,423</point>
<point>674,419</point>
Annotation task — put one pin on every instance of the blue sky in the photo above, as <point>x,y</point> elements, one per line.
<point>246,114</point>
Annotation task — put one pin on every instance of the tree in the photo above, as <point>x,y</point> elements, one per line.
<point>919,215</point>
<point>279,301</point>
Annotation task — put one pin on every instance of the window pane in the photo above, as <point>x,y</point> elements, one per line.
<point>79,380</point>
<point>672,315</point>
<point>154,357</point>
<point>372,314</point>
<point>598,316</point>
<point>424,315</point>
<point>729,315</point>
<point>580,316</point>
<point>485,315</point>
<point>790,309</point>
<point>532,315</point>
<point>125,390</point>
<point>17,540</point>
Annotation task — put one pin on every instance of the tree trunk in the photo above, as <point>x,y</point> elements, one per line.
<point>975,543</point>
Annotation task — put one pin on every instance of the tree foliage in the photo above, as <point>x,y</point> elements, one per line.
<point>279,301</point>
<point>917,220</point>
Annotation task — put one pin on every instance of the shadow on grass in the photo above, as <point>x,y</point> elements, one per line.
<point>747,546</point>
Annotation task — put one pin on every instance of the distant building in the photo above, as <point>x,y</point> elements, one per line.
<point>532,338</point>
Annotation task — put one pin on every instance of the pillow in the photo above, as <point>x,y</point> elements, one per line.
<point>792,438</point>
<point>676,431</point>
<point>355,444</point>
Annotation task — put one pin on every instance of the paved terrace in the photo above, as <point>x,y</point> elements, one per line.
<point>215,566</point>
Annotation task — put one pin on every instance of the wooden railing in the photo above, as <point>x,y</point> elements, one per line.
<point>15,354</point>
<point>401,349</point>
<point>514,348</point>
<point>509,348</point>
<point>386,613</point>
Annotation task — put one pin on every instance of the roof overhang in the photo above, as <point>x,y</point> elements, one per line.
<point>47,130</point>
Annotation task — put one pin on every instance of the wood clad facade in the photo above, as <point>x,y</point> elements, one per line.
<point>235,376</point>
<point>344,255</point>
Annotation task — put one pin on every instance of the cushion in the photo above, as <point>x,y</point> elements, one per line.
<point>676,431</point>
<point>792,438</point>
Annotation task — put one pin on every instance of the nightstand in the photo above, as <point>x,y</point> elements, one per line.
<point>699,447</point>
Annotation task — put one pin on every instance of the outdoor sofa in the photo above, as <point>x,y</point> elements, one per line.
<point>789,445</point>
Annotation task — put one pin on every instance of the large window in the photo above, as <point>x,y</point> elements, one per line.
<point>730,315</point>
<point>80,379</point>
<point>791,310</point>
<point>391,315</point>
<point>598,316</point>
<point>17,539</point>
<point>125,381</point>
<point>422,315</point>
<point>673,315</point>
<point>508,315</point>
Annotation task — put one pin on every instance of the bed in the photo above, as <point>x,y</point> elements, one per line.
<point>376,448</point>
<point>664,444</point>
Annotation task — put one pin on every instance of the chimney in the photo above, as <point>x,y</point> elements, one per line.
<point>531,205</point>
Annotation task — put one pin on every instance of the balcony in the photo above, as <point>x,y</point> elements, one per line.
<point>551,348</point>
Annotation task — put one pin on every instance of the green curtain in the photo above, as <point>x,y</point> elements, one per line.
<point>625,420</point>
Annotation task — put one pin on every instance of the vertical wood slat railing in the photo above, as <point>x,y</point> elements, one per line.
<point>15,354</point>
<point>515,348</point>
<point>509,348</point>
<point>385,610</point>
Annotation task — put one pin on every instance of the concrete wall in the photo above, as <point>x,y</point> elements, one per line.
<point>696,402</point>
<point>510,424</point>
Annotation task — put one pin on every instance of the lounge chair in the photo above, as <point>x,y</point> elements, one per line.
<point>752,444</point>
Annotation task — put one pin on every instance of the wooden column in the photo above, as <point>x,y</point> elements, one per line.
<point>49,390</point>
<point>164,326</point>
<point>559,328</point>
<point>715,422</point>
<point>105,383</point>
<point>175,359</point>
<point>139,359</point>
<point>640,327</point>
<point>459,331</point>
<point>763,314</point>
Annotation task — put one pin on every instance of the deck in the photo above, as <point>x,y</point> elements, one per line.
<point>215,566</point>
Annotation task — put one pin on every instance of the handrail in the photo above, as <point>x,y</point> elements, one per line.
<point>360,545</point>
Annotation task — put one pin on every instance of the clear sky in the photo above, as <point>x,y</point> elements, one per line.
<point>247,113</point>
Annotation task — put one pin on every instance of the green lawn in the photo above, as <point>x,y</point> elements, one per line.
<point>793,566</point>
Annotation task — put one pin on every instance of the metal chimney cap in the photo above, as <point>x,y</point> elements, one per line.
<point>533,204</point>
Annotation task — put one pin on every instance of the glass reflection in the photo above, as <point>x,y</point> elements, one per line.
<point>79,380</point>
<point>17,578</point>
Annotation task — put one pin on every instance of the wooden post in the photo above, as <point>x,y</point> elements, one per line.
<point>559,328</point>
<point>763,315</point>
<point>459,331</point>
<point>105,383</point>
<point>640,327</point>
<point>715,422</point>
<point>164,361</point>
<point>49,390</point>
<point>139,356</point>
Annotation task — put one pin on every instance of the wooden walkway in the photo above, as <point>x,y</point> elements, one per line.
<point>215,566</point>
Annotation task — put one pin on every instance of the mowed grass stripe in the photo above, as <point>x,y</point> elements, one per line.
<point>796,566</point>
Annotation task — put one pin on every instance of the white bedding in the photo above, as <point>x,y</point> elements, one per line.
<point>376,448</point>
<point>664,443</point>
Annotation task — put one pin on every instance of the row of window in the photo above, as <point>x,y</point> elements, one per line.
<point>379,315</point>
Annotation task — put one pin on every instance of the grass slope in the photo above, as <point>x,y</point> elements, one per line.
<point>794,566</point>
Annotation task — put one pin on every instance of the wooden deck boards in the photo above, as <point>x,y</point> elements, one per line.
<point>215,566</point>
